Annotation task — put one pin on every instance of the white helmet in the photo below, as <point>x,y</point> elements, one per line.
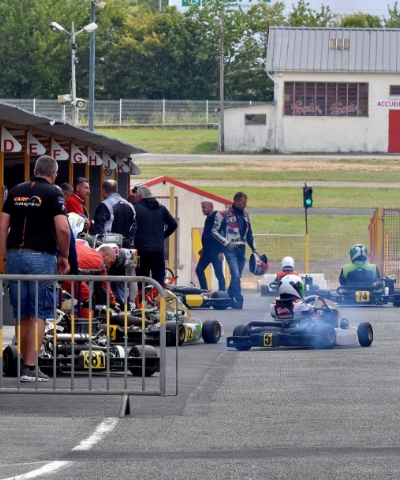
<point>292,285</point>
<point>287,264</point>
<point>77,223</point>
<point>358,253</point>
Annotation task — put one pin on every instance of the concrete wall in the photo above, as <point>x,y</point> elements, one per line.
<point>303,134</point>
<point>337,134</point>
<point>240,137</point>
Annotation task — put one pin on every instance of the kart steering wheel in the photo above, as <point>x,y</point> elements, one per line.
<point>314,298</point>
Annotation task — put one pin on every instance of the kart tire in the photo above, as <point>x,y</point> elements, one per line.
<point>137,351</point>
<point>264,290</point>
<point>10,361</point>
<point>396,300</point>
<point>326,337</point>
<point>211,331</point>
<point>222,305</point>
<point>241,331</point>
<point>171,333</point>
<point>365,334</point>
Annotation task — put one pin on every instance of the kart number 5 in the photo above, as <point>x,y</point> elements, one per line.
<point>362,296</point>
<point>268,339</point>
<point>98,359</point>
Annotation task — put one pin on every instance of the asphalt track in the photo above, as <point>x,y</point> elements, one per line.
<point>276,414</point>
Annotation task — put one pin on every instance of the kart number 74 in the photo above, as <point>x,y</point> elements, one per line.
<point>362,296</point>
<point>268,339</point>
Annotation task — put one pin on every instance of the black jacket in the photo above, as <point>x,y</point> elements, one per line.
<point>209,242</point>
<point>151,218</point>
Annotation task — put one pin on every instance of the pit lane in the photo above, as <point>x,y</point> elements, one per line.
<point>289,414</point>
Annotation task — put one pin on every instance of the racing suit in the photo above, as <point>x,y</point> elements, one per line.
<point>233,226</point>
<point>289,308</point>
<point>359,272</point>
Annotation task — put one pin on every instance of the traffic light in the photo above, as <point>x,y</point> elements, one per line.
<point>307,196</point>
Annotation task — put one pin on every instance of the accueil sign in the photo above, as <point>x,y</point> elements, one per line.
<point>391,104</point>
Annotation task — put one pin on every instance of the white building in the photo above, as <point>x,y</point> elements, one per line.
<point>186,208</point>
<point>336,90</point>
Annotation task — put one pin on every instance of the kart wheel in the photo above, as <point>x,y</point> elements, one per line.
<point>137,351</point>
<point>211,331</point>
<point>10,361</point>
<point>365,334</point>
<point>222,305</point>
<point>264,290</point>
<point>326,337</point>
<point>241,331</point>
<point>171,334</point>
<point>396,300</point>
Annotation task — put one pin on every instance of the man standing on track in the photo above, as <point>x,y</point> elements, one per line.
<point>233,229</point>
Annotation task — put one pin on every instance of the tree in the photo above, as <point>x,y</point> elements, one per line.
<point>303,16</point>
<point>360,20</point>
<point>394,17</point>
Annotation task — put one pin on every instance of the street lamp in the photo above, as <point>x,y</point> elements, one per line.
<point>93,5</point>
<point>217,21</point>
<point>75,102</point>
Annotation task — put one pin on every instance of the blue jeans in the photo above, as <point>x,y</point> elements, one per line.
<point>236,259</point>
<point>205,259</point>
<point>32,263</point>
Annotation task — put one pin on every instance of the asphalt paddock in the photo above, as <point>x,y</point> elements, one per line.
<point>260,414</point>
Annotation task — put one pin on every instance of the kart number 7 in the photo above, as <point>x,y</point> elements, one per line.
<point>98,359</point>
<point>362,296</point>
<point>268,339</point>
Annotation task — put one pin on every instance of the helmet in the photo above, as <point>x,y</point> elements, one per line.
<point>287,264</point>
<point>292,285</point>
<point>258,265</point>
<point>358,253</point>
<point>77,223</point>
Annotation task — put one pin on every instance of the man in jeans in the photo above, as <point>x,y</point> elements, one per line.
<point>33,225</point>
<point>232,228</point>
<point>212,250</point>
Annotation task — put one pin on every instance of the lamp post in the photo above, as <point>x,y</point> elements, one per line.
<point>75,102</point>
<point>220,24</point>
<point>93,5</point>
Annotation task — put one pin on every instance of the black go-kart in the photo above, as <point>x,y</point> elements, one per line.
<point>193,297</point>
<point>324,329</point>
<point>83,353</point>
<point>368,294</point>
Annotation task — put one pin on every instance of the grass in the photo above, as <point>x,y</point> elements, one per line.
<point>280,171</point>
<point>256,170</point>
<point>167,141</point>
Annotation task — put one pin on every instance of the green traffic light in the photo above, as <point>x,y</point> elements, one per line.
<point>308,201</point>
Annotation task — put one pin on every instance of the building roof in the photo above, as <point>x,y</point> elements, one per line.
<point>17,119</point>
<point>198,191</point>
<point>333,50</point>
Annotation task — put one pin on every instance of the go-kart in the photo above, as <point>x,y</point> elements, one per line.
<point>181,327</point>
<point>324,329</point>
<point>83,353</point>
<point>358,294</point>
<point>194,297</point>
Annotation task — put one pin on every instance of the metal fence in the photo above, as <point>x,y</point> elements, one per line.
<point>133,112</point>
<point>327,254</point>
<point>84,361</point>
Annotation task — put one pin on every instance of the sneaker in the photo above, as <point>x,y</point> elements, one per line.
<point>28,375</point>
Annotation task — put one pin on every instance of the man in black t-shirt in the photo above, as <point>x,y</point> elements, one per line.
<point>33,225</point>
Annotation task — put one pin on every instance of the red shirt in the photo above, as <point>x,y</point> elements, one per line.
<point>74,203</point>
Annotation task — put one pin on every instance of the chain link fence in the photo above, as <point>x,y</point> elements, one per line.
<point>133,112</point>
<point>327,254</point>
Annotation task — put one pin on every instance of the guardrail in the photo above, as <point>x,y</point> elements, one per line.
<point>73,346</point>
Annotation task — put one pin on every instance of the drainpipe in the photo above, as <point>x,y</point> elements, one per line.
<point>276,88</point>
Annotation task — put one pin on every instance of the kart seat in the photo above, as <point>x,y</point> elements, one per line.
<point>132,321</point>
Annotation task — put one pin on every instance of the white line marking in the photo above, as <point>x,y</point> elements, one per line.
<point>105,427</point>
